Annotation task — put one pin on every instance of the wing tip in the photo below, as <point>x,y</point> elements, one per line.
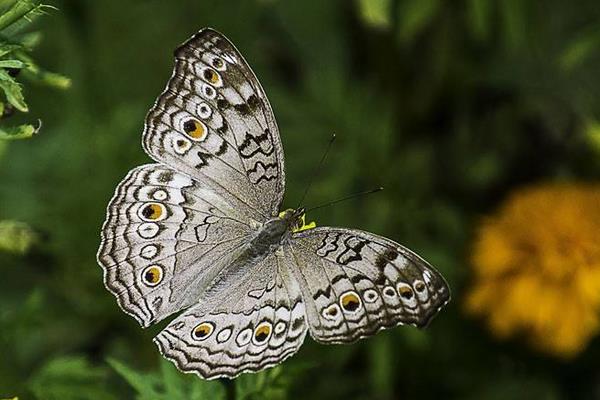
<point>196,37</point>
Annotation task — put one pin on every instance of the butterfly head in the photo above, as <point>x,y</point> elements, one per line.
<point>296,219</point>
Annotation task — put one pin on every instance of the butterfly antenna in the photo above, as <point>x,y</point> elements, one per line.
<point>346,198</point>
<point>317,170</point>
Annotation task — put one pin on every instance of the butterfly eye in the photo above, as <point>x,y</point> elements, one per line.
<point>152,275</point>
<point>195,129</point>
<point>152,212</point>
<point>203,330</point>
<point>262,332</point>
<point>350,301</point>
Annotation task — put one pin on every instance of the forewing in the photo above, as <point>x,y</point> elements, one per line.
<point>356,283</point>
<point>164,239</point>
<point>255,325</point>
<point>214,123</point>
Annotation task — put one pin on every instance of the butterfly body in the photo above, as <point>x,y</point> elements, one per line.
<point>200,232</point>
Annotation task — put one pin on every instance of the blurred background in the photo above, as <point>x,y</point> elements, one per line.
<point>479,117</point>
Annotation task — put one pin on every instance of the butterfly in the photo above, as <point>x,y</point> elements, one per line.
<point>201,231</point>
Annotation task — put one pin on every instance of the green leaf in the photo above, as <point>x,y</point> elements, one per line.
<point>143,384</point>
<point>513,14</point>
<point>168,383</point>
<point>18,132</point>
<point>21,12</point>
<point>579,50</point>
<point>479,14</point>
<point>12,64</point>
<point>12,91</point>
<point>16,237</point>
<point>52,79</point>
<point>70,378</point>
<point>414,16</point>
<point>375,12</point>
<point>6,48</point>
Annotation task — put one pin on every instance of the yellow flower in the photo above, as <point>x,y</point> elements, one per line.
<point>537,267</point>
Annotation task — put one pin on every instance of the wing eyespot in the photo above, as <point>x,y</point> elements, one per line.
<point>152,212</point>
<point>405,291</point>
<point>181,145</point>
<point>331,312</point>
<point>160,195</point>
<point>218,64</point>
<point>211,76</point>
<point>203,330</point>
<point>389,291</point>
<point>209,91</point>
<point>195,130</point>
<point>370,295</point>
<point>204,111</point>
<point>152,275</point>
<point>148,230</point>
<point>350,301</point>
<point>224,335</point>
<point>419,286</point>
<point>244,337</point>
<point>149,251</point>
<point>262,333</point>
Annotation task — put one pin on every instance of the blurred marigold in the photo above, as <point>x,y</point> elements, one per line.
<point>537,267</point>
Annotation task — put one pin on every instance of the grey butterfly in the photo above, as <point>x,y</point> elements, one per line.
<point>202,231</point>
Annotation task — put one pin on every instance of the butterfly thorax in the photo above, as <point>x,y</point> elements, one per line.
<point>274,231</point>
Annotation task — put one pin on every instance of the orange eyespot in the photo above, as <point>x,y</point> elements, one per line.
<point>152,275</point>
<point>152,212</point>
<point>210,75</point>
<point>195,129</point>
<point>405,292</point>
<point>203,330</point>
<point>262,332</point>
<point>350,301</point>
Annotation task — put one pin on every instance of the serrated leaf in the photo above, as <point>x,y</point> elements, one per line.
<point>12,91</point>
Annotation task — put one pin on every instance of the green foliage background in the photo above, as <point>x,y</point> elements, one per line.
<point>448,104</point>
